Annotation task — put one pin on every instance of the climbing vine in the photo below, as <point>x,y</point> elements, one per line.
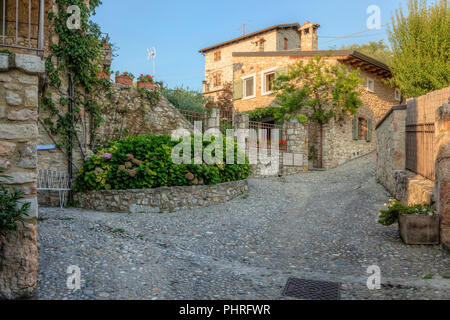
<point>77,57</point>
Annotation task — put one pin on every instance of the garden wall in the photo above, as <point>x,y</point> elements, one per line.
<point>160,199</point>
<point>404,185</point>
<point>19,79</point>
<point>126,112</point>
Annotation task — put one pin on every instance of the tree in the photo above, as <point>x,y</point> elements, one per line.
<point>375,49</point>
<point>421,48</point>
<point>317,91</point>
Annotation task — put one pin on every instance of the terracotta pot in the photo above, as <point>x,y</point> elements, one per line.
<point>419,229</point>
<point>146,85</point>
<point>104,75</point>
<point>124,80</point>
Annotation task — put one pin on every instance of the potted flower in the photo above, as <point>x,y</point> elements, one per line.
<point>417,224</point>
<point>124,78</point>
<point>146,82</point>
<point>105,74</point>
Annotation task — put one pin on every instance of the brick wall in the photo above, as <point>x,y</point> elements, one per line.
<point>18,138</point>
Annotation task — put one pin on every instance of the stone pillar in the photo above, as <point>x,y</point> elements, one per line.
<point>241,121</point>
<point>213,121</point>
<point>295,160</point>
<point>442,178</point>
<point>19,79</point>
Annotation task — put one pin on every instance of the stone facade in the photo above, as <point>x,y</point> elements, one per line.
<point>19,79</point>
<point>160,199</point>
<point>272,40</point>
<point>337,136</point>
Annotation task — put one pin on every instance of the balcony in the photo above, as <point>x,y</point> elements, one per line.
<point>22,25</point>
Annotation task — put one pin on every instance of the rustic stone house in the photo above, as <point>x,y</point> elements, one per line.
<point>252,70</point>
<point>282,37</point>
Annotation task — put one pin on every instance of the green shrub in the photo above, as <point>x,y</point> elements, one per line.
<point>10,211</point>
<point>185,99</point>
<point>144,162</point>
<point>396,208</point>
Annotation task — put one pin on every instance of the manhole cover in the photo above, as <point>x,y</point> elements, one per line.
<point>312,290</point>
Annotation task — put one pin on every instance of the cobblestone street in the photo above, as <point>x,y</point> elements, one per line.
<point>321,225</point>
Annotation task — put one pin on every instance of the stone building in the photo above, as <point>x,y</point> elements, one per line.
<point>252,61</point>
<point>282,37</point>
<point>342,139</point>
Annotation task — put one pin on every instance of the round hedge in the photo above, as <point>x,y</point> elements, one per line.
<point>144,162</point>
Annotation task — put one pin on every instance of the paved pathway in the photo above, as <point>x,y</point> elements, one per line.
<point>318,226</point>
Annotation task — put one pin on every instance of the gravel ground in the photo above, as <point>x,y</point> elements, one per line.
<point>318,226</point>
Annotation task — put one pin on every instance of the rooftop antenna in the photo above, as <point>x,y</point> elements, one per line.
<point>244,27</point>
<point>151,55</point>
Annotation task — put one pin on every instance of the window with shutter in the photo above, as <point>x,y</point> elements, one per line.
<point>237,89</point>
<point>249,86</point>
<point>369,130</point>
<point>355,128</point>
<point>282,71</point>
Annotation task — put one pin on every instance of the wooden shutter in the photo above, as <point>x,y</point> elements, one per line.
<point>238,89</point>
<point>282,71</point>
<point>369,130</point>
<point>355,128</point>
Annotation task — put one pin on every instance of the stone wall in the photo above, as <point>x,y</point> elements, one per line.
<point>442,183</point>
<point>160,199</point>
<point>404,185</point>
<point>19,79</point>
<point>391,152</point>
<point>140,118</point>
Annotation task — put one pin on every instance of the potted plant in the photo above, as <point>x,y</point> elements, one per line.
<point>124,78</point>
<point>146,82</point>
<point>417,224</point>
<point>105,74</point>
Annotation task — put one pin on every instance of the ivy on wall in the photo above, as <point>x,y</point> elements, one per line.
<point>76,55</point>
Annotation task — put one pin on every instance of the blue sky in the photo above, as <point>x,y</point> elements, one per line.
<point>179,28</point>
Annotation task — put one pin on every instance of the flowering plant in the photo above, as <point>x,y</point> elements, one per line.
<point>395,208</point>
<point>125,74</point>
<point>146,78</point>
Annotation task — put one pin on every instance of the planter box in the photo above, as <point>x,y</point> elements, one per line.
<point>146,85</point>
<point>124,80</point>
<point>104,75</point>
<point>419,229</point>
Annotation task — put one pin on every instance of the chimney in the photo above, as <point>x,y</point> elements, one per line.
<point>308,36</point>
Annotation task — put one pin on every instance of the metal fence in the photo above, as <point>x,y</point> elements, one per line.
<point>193,117</point>
<point>421,113</point>
<point>266,134</point>
<point>22,24</point>
<point>420,149</point>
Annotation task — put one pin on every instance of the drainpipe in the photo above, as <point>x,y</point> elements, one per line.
<point>70,154</point>
<point>41,27</point>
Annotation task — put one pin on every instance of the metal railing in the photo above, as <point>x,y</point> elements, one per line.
<point>264,132</point>
<point>51,180</point>
<point>22,24</point>
<point>420,149</point>
<point>193,117</point>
